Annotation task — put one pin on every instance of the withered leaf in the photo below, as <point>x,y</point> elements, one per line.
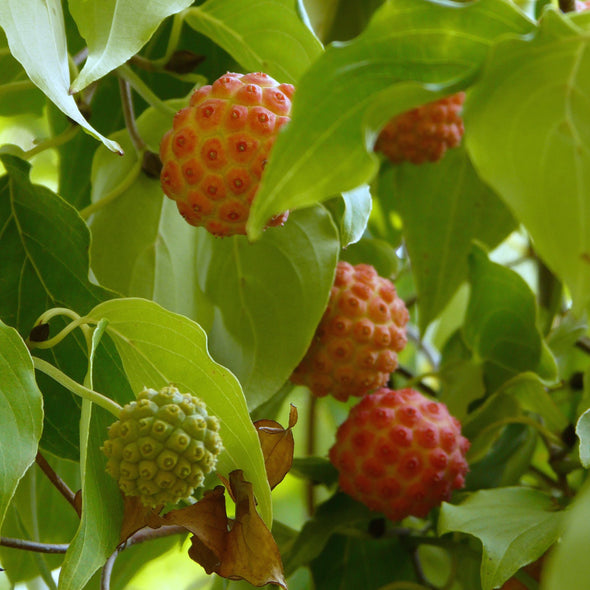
<point>277,447</point>
<point>242,549</point>
<point>136,516</point>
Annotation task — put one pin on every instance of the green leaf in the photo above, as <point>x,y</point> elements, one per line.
<point>351,91</point>
<point>261,35</point>
<point>102,510</point>
<point>37,39</point>
<point>374,251</point>
<point>269,297</point>
<point>353,211</point>
<point>115,30</point>
<point>532,396</point>
<point>444,206</point>
<point>462,383</point>
<point>525,525</point>
<point>567,566</point>
<point>45,264</point>
<point>500,326</point>
<point>21,413</point>
<point>17,93</point>
<point>157,348</point>
<point>583,432</point>
<point>40,513</point>
<point>349,563</point>
<point>527,121</point>
<point>141,246</point>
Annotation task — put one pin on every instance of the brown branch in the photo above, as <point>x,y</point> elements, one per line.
<point>129,115</point>
<point>33,546</point>
<point>145,534</point>
<point>57,481</point>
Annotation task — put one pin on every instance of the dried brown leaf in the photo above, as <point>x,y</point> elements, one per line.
<point>277,447</point>
<point>136,516</point>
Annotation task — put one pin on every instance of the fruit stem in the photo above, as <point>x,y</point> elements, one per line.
<point>58,337</point>
<point>144,91</point>
<point>52,142</point>
<point>97,398</point>
<point>129,115</point>
<point>116,192</point>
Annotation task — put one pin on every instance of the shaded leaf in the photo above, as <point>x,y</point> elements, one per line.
<point>353,211</point>
<point>525,521</point>
<point>567,564</point>
<point>285,48</point>
<point>528,118</point>
<point>244,551</point>
<point>115,30</point>
<point>501,317</point>
<point>37,39</point>
<point>316,469</point>
<point>277,445</point>
<point>21,413</point>
<point>351,91</point>
<point>444,207</point>
<point>158,347</point>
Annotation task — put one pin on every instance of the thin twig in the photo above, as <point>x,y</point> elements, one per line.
<point>33,546</point>
<point>61,486</point>
<point>310,450</point>
<point>145,534</point>
<point>129,114</point>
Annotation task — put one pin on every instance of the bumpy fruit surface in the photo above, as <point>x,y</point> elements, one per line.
<point>355,346</point>
<point>400,453</point>
<point>162,446</point>
<point>214,155</point>
<point>425,133</point>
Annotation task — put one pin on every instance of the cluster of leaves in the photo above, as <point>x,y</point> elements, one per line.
<point>106,288</point>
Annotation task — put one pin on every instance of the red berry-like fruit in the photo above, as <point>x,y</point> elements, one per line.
<point>425,133</point>
<point>214,155</point>
<point>400,453</point>
<point>355,346</point>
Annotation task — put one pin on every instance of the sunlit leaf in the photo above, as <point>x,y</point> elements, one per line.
<point>351,91</point>
<point>261,35</point>
<point>528,123</point>
<point>526,523</point>
<point>157,348</point>
<point>115,30</point>
<point>583,432</point>
<point>21,413</point>
<point>37,39</point>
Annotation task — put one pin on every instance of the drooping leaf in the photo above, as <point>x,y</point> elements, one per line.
<point>353,211</point>
<point>351,91</point>
<point>567,565</point>
<point>115,30</point>
<point>158,347</point>
<point>261,35</point>
<point>526,523</point>
<point>277,446</point>
<point>17,93</point>
<point>37,39</point>
<point>528,119</point>
<point>244,551</point>
<point>444,206</point>
<point>500,326</point>
<point>21,413</point>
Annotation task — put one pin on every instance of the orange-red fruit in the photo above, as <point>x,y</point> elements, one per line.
<point>215,153</point>
<point>355,346</point>
<point>400,453</point>
<point>425,133</point>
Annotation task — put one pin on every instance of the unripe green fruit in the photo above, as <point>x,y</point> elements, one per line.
<point>162,446</point>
